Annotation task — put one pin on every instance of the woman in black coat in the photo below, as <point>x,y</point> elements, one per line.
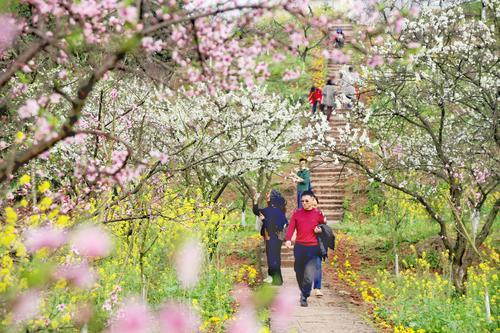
<point>274,222</point>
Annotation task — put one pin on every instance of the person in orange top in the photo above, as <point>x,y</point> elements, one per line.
<point>315,98</point>
<point>306,222</point>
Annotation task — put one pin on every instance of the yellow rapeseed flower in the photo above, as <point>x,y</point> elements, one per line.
<point>43,187</point>
<point>45,203</point>
<point>25,179</point>
<point>10,215</point>
<point>19,137</point>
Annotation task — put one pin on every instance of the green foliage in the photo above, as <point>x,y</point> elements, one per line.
<point>375,198</point>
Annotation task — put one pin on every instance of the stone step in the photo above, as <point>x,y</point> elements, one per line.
<point>334,185</point>
<point>325,197</point>
<point>333,180</point>
<point>327,172</point>
<point>331,202</point>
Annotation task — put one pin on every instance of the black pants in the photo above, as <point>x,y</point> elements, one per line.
<point>305,266</point>
<point>273,254</point>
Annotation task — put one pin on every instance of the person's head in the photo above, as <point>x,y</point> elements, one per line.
<point>341,75</point>
<point>313,89</point>
<point>302,163</point>
<point>329,82</point>
<point>307,200</point>
<point>276,200</point>
<point>350,69</point>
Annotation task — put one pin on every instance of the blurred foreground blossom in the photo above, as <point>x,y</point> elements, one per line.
<point>246,322</point>
<point>45,237</point>
<point>177,318</point>
<point>242,294</point>
<point>188,263</point>
<point>91,241</point>
<point>26,306</point>
<point>133,317</point>
<point>282,308</point>
<point>79,275</point>
<point>10,30</point>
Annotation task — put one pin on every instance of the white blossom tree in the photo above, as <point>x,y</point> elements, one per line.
<point>431,130</point>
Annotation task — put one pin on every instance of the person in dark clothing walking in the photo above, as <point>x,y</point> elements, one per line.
<point>306,222</point>
<point>339,38</point>
<point>274,222</point>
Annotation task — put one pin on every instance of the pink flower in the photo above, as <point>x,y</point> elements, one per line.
<point>297,40</point>
<point>414,11</point>
<point>162,157</point>
<point>188,263</point>
<point>339,56</point>
<point>177,318</point>
<point>413,45</point>
<point>80,275</point>
<point>151,46</point>
<point>291,74</point>
<point>278,57</point>
<point>10,30</point>
<point>45,237</point>
<point>91,241</point>
<point>129,14</point>
<point>399,24</point>
<point>375,61</point>
<point>30,109</point>
<point>245,322</point>
<point>113,94</point>
<point>26,306</point>
<point>242,295</point>
<point>282,308</point>
<point>133,317</point>
<point>54,98</point>
<point>43,130</point>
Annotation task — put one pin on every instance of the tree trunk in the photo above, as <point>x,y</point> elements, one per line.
<point>460,263</point>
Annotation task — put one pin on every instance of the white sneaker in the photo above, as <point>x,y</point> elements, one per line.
<point>318,293</point>
<point>268,279</point>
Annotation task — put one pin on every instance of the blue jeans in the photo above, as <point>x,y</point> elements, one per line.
<point>318,274</point>
<point>299,196</point>
<point>305,266</point>
<point>315,105</point>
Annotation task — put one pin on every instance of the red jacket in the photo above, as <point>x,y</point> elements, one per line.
<point>304,221</point>
<point>316,96</point>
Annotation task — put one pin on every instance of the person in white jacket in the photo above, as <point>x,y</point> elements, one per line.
<point>328,98</point>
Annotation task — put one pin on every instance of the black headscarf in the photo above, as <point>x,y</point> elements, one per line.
<point>277,200</point>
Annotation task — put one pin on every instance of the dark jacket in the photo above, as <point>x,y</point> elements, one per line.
<point>326,239</point>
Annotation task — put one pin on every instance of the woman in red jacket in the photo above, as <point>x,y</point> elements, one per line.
<point>315,98</point>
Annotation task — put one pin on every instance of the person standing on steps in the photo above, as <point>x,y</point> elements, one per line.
<point>318,274</point>
<point>339,38</point>
<point>329,98</point>
<point>306,222</point>
<point>273,227</point>
<point>303,180</point>
<point>315,98</point>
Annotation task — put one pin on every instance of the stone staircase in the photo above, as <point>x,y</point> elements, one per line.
<point>328,179</point>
